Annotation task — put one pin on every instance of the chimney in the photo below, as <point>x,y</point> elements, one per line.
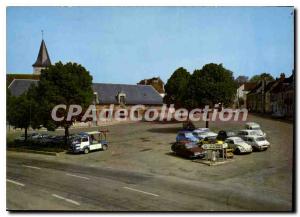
<point>282,76</point>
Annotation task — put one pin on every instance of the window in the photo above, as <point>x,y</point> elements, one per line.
<point>122,114</point>
<point>122,98</point>
<point>85,139</point>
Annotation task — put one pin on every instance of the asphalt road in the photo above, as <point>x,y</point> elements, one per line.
<point>37,184</point>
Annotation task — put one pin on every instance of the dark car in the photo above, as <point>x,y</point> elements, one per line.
<point>30,137</point>
<point>222,135</point>
<point>57,140</point>
<point>188,150</point>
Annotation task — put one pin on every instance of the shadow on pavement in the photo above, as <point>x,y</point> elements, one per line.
<point>165,130</point>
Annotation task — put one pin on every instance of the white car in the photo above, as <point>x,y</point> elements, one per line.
<point>204,129</point>
<point>238,145</point>
<point>245,133</point>
<point>255,127</point>
<point>203,135</point>
<point>258,142</point>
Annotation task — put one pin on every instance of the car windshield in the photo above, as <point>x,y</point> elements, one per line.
<point>196,134</point>
<point>189,135</point>
<point>259,139</point>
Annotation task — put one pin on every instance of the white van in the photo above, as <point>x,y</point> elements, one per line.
<point>255,127</point>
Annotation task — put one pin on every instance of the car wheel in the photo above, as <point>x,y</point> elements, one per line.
<point>86,151</point>
<point>237,151</point>
<point>104,147</point>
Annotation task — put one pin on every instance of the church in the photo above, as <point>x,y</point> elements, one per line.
<point>105,94</point>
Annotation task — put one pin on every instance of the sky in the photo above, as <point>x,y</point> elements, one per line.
<point>128,44</point>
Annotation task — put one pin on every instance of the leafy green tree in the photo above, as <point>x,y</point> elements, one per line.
<point>68,84</point>
<point>241,79</point>
<point>266,76</point>
<point>176,87</point>
<point>213,84</point>
<point>21,110</point>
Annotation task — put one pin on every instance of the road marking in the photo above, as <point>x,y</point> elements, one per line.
<point>14,182</point>
<point>144,192</point>
<point>81,177</point>
<point>66,199</point>
<point>32,167</point>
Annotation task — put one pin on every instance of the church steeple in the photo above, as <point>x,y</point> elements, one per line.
<point>43,59</point>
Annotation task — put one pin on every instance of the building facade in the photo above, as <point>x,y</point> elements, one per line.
<point>273,97</point>
<point>240,100</point>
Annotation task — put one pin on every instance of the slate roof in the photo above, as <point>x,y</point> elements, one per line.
<point>43,59</point>
<point>135,94</point>
<point>11,77</point>
<point>19,86</point>
<point>107,93</point>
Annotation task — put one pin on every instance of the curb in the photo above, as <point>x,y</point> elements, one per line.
<point>33,151</point>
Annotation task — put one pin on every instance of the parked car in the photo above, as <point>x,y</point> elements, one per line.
<point>41,138</point>
<point>201,135</point>
<point>202,130</point>
<point>88,141</point>
<point>34,136</point>
<point>30,136</point>
<point>188,150</point>
<point>58,140</point>
<point>238,145</point>
<point>255,127</point>
<point>223,135</point>
<point>258,143</point>
<point>186,136</point>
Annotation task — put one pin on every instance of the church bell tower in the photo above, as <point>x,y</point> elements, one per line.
<point>43,59</point>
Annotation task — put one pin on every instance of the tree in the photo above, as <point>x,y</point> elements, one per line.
<point>176,87</point>
<point>68,84</point>
<point>213,84</point>
<point>242,79</point>
<point>21,110</point>
<point>264,75</point>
